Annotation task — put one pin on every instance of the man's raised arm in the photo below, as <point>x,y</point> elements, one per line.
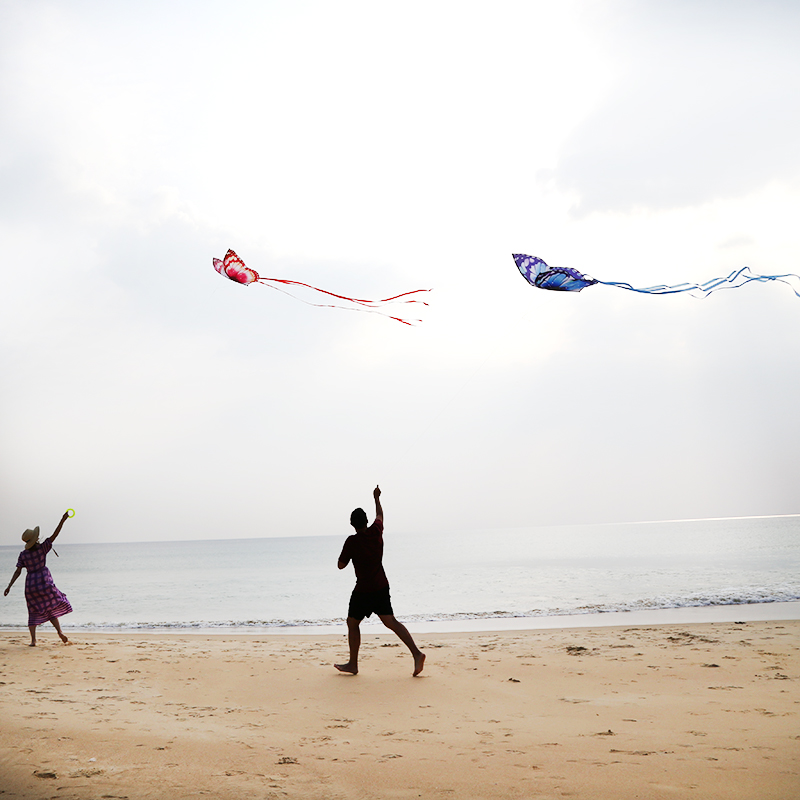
<point>376,493</point>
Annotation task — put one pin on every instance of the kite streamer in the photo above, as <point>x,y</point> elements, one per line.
<point>565,279</point>
<point>234,268</point>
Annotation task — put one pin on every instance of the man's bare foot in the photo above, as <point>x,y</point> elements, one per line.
<point>419,663</point>
<point>351,670</point>
<point>66,641</point>
<point>32,644</point>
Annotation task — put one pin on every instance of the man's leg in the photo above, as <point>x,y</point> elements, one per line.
<point>32,629</point>
<point>393,624</point>
<point>354,640</point>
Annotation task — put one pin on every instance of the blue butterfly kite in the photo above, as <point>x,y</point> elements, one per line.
<point>565,279</point>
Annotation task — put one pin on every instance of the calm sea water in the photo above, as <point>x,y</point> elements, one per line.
<point>293,583</point>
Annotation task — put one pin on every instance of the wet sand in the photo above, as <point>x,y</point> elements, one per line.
<point>662,711</point>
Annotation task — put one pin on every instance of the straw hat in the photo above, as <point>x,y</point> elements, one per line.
<point>30,537</point>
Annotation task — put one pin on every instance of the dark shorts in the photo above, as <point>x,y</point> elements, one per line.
<point>364,604</point>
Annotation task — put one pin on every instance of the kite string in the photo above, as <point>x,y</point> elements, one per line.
<point>371,303</point>
<point>422,430</point>
<point>344,308</point>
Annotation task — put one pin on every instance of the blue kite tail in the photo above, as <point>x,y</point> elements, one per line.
<point>737,278</point>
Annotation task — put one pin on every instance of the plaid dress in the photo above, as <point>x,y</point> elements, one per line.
<point>43,597</point>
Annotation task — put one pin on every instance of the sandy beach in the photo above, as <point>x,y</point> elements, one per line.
<point>666,711</point>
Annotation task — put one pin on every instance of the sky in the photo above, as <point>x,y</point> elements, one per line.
<point>370,149</point>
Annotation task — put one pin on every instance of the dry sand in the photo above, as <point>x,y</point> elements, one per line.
<point>689,711</point>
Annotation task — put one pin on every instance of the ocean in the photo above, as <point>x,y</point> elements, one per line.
<point>487,578</point>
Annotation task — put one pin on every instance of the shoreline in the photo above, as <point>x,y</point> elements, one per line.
<point>603,713</point>
<point>685,615</point>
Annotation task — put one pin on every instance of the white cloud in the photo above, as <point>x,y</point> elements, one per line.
<point>704,107</point>
<point>371,150</point>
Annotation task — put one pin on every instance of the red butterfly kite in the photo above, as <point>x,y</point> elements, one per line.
<point>234,268</point>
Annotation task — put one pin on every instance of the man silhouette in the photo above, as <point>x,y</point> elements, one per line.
<point>371,593</point>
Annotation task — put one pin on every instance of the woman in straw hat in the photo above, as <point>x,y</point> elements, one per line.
<point>45,602</point>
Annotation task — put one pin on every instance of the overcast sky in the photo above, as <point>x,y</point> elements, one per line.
<point>372,148</point>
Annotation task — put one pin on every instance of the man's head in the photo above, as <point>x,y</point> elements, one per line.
<point>358,519</point>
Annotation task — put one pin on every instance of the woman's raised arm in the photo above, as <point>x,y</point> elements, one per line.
<point>58,528</point>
